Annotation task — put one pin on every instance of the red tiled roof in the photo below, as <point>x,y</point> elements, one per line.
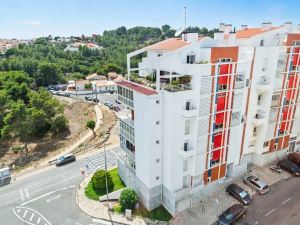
<point>137,88</point>
<point>250,32</point>
<point>168,45</point>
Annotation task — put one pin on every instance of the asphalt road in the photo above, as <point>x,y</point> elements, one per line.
<point>47,196</point>
<point>278,207</point>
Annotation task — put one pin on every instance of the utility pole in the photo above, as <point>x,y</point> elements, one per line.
<point>106,176</point>
<point>184,18</point>
<point>76,89</point>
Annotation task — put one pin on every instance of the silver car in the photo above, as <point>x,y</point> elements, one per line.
<point>256,184</point>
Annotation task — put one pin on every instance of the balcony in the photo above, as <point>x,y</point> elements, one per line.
<point>127,128</point>
<point>187,151</point>
<point>259,118</point>
<point>263,84</point>
<point>189,111</point>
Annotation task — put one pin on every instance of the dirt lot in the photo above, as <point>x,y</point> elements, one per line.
<point>77,112</point>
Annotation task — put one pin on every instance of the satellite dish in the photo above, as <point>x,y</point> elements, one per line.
<point>179,31</point>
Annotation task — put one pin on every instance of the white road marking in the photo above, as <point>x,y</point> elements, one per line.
<point>53,198</point>
<point>270,212</point>
<point>26,193</point>
<point>33,211</point>
<point>39,197</point>
<point>256,223</point>
<point>101,221</point>
<point>282,203</point>
<point>21,195</point>
<point>19,210</point>
<point>32,215</point>
<point>38,221</point>
<point>25,213</point>
<point>72,186</point>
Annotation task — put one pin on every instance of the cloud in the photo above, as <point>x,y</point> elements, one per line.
<point>30,22</point>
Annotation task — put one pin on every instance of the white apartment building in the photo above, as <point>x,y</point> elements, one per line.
<point>201,109</point>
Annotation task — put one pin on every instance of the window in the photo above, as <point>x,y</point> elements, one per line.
<point>224,60</point>
<point>185,146</point>
<point>157,101</point>
<point>157,122</point>
<point>264,64</point>
<point>275,97</point>
<point>185,165</point>
<point>186,181</point>
<point>218,126</point>
<point>157,178</point>
<point>266,144</point>
<point>222,87</point>
<point>157,142</point>
<point>159,54</point>
<point>261,43</point>
<point>187,127</point>
<point>254,132</point>
<point>190,59</point>
<point>297,42</point>
<point>157,160</point>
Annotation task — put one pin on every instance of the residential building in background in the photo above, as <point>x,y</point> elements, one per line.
<point>201,109</point>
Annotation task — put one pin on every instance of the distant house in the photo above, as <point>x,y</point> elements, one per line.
<point>95,76</point>
<point>112,75</point>
<point>75,46</point>
<point>105,86</point>
<point>78,85</point>
<point>119,78</point>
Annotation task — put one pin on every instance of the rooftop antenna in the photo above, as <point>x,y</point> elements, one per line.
<point>184,18</point>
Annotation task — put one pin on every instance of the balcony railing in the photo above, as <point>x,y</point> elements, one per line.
<point>176,87</point>
<point>127,128</point>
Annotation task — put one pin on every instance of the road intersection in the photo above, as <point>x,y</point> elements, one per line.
<point>47,197</point>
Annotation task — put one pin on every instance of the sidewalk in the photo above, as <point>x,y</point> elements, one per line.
<point>98,210</point>
<point>206,213</point>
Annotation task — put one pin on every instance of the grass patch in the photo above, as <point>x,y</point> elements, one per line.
<point>159,213</point>
<point>95,194</point>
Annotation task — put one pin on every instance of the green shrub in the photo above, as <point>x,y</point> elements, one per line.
<point>128,198</point>
<point>99,182</point>
<point>59,124</point>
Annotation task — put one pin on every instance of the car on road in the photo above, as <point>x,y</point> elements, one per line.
<point>65,159</point>
<point>294,157</point>
<point>109,105</point>
<point>5,176</point>
<point>238,193</point>
<point>65,94</point>
<point>256,184</point>
<point>88,98</point>
<point>289,166</point>
<point>232,214</point>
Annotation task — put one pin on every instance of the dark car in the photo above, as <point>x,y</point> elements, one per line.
<point>294,157</point>
<point>239,193</point>
<point>88,98</point>
<point>256,184</point>
<point>117,108</point>
<point>289,166</point>
<point>65,159</point>
<point>118,102</point>
<point>232,214</point>
<point>96,100</point>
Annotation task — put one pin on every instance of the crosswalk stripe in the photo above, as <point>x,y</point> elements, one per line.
<point>32,215</point>
<point>38,221</point>
<point>25,213</point>
<point>21,195</point>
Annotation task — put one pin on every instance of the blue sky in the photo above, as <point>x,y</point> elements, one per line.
<point>34,18</point>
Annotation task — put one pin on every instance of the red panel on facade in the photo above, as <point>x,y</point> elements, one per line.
<point>216,154</point>
<point>219,118</point>
<point>225,69</point>
<point>221,103</point>
<point>285,113</point>
<point>218,140</point>
<point>289,95</point>
<point>223,80</point>
<point>292,81</point>
<point>284,126</point>
<point>296,56</point>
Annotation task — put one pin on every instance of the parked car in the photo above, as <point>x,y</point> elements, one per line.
<point>232,214</point>
<point>96,100</point>
<point>118,102</point>
<point>65,159</point>
<point>289,166</point>
<point>88,98</point>
<point>256,184</point>
<point>5,176</point>
<point>117,108</point>
<point>66,94</point>
<point>238,193</point>
<point>109,105</point>
<point>294,157</point>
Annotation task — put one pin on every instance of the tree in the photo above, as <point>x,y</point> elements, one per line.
<point>59,124</point>
<point>91,124</point>
<point>99,181</point>
<point>88,86</point>
<point>47,74</point>
<point>128,198</point>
